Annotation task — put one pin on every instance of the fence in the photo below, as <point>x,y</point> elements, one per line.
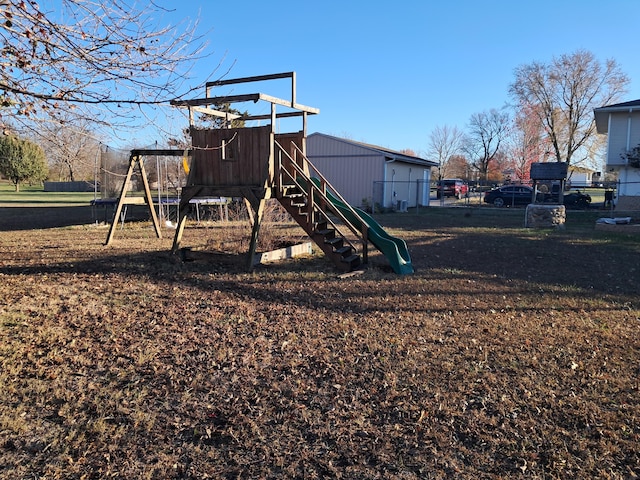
<point>113,170</point>
<point>399,195</point>
<point>70,186</point>
<point>402,195</point>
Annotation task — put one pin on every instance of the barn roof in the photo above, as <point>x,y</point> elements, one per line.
<point>390,155</point>
<point>602,113</point>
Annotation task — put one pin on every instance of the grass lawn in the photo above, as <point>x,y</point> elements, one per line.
<point>35,195</point>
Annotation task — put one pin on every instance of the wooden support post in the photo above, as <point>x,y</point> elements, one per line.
<point>123,193</point>
<point>187,195</point>
<point>254,233</point>
<point>179,231</point>
<point>247,204</point>
<point>365,243</point>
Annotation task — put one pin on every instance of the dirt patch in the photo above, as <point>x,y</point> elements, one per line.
<point>510,352</point>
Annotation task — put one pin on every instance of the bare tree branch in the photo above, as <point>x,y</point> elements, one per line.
<point>486,132</point>
<point>114,55</point>
<point>444,142</point>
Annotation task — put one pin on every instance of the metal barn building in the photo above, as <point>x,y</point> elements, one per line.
<point>370,175</point>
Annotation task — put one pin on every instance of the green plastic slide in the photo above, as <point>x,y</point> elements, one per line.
<point>394,248</point>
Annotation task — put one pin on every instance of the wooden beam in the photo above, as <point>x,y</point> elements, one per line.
<point>250,97</point>
<point>216,113</point>
<point>187,194</point>
<point>282,253</point>
<point>171,152</point>
<point>247,204</point>
<point>293,87</point>
<point>134,201</point>
<point>249,117</point>
<point>257,78</point>
<point>121,198</point>
<point>286,103</point>
<point>278,115</point>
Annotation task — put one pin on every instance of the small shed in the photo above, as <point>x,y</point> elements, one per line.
<point>368,174</point>
<point>580,176</point>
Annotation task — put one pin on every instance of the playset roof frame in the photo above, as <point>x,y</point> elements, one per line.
<point>201,105</point>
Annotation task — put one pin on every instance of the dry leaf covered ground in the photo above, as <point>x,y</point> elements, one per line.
<point>510,353</point>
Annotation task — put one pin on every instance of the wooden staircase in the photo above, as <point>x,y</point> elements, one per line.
<point>302,191</point>
<point>319,229</point>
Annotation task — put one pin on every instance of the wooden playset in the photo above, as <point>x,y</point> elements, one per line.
<point>256,164</point>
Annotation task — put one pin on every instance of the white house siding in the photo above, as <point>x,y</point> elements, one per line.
<point>623,130</point>
<point>624,135</point>
<point>618,139</point>
<point>634,130</point>
<point>629,189</point>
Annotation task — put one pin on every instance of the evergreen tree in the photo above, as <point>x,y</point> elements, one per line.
<point>21,161</point>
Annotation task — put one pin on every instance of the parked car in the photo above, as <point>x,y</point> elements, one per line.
<point>576,199</point>
<point>571,199</point>
<point>452,187</point>
<point>509,195</point>
<point>512,195</point>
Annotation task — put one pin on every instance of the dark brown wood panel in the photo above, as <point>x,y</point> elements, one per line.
<point>230,157</point>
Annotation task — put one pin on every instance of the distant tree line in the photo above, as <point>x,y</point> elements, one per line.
<point>551,119</point>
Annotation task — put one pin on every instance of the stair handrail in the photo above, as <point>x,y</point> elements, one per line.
<point>361,233</point>
<point>322,178</point>
<point>313,188</point>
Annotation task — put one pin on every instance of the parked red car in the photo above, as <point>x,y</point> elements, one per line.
<point>452,187</point>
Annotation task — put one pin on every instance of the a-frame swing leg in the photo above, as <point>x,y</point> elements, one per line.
<point>257,219</point>
<point>123,192</point>
<point>149,199</point>
<point>122,199</point>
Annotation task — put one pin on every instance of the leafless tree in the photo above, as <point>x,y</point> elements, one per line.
<point>444,142</point>
<point>526,142</point>
<point>485,136</point>
<point>458,167</point>
<point>563,94</point>
<point>90,58</point>
<point>71,150</point>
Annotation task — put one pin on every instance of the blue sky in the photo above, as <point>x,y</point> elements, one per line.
<point>389,75</point>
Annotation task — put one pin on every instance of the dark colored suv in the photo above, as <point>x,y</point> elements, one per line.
<point>452,187</point>
<point>510,195</point>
